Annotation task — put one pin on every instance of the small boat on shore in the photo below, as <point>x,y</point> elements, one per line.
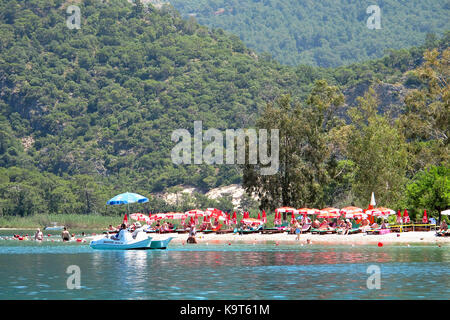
<point>54,228</point>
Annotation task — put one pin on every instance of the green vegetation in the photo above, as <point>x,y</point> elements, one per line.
<point>327,33</point>
<point>372,151</point>
<point>72,221</point>
<point>88,113</point>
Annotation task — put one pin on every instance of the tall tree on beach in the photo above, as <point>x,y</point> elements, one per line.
<point>303,149</point>
<point>378,150</point>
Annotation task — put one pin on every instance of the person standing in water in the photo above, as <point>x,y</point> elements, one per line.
<point>65,235</point>
<point>38,236</point>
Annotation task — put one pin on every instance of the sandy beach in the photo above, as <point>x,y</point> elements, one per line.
<point>325,239</point>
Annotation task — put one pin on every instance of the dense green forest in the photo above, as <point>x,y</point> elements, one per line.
<point>88,113</point>
<point>325,33</point>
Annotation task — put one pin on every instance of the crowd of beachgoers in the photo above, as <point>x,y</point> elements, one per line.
<point>216,225</point>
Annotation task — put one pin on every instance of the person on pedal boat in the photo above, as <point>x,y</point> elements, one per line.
<point>121,234</point>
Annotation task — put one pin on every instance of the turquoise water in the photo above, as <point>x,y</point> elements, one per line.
<point>30,270</point>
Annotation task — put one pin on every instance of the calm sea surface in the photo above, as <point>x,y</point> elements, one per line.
<point>29,270</point>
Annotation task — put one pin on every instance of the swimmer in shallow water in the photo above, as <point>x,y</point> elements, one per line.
<point>38,236</point>
<point>65,235</point>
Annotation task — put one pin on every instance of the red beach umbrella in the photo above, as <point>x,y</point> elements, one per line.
<point>251,221</point>
<point>308,211</point>
<point>425,217</point>
<point>139,217</point>
<point>259,216</point>
<point>195,213</point>
<point>292,218</point>
<point>351,212</point>
<point>329,213</point>
<point>125,219</point>
<point>406,217</point>
<point>399,217</point>
<point>234,218</point>
<point>264,218</point>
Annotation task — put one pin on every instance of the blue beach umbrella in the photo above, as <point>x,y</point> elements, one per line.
<point>127,198</point>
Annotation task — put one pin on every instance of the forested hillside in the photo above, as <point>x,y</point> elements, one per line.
<point>88,113</point>
<point>326,33</point>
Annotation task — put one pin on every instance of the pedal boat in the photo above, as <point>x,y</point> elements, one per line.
<point>106,243</point>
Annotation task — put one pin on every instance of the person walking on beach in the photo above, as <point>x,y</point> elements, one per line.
<point>297,230</point>
<point>65,235</point>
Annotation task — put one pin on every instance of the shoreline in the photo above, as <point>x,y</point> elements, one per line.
<point>404,238</point>
<point>326,239</point>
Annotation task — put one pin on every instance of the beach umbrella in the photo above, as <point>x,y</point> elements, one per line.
<point>264,218</point>
<point>286,210</point>
<point>386,211</point>
<point>425,217</point>
<point>292,218</point>
<point>157,216</point>
<point>210,211</point>
<point>308,211</point>
<point>275,219</point>
<point>406,217</point>
<point>234,218</point>
<point>372,201</point>
<point>228,221</point>
<point>399,217</point>
<point>176,215</point>
<point>329,213</point>
<point>195,213</point>
<point>375,212</point>
<point>140,217</point>
<point>351,212</point>
<point>127,198</point>
<point>251,221</point>
<point>218,214</point>
<point>125,220</point>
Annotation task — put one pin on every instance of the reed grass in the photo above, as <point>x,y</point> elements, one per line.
<point>68,220</point>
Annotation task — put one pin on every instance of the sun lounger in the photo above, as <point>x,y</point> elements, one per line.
<point>443,233</point>
<point>306,228</point>
<point>207,231</point>
<point>323,231</point>
<point>354,230</point>
<point>271,230</point>
<point>181,231</point>
<point>224,231</point>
